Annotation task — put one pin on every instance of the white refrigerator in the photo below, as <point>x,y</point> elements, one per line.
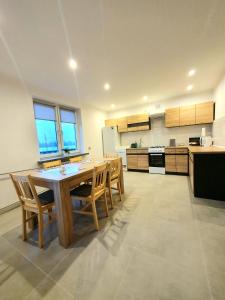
<point>111,143</point>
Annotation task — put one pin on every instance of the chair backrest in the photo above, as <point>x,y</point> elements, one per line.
<point>75,159</point>
<point>51,164</point>
<point>99,180</point>
<point>25,190</point>
<point>114,168</point>
<point>111,155</point>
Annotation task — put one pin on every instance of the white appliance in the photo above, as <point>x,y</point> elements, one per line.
<point>157,160</point>
<point>122,152</point>
<point>206,141</point>
<point>110,139</point>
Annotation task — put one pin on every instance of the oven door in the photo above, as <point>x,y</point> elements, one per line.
<point>157,160</point>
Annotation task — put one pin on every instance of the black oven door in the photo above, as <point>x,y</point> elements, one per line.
<point>157,160</point>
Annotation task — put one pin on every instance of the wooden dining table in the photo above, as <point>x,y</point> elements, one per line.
<point>62,180</point>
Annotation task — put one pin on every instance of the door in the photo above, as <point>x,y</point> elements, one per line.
<point>132,161</point>
<point>143,163</point>
<point>182,163</point>
<point>170,163</point>
<point>204,113</point>
<point>173,117</point>
<point>187,115</point>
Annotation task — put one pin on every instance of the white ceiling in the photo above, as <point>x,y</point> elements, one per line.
<point>141,47</point>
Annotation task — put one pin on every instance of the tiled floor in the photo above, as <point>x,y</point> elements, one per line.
<point>160,243</point>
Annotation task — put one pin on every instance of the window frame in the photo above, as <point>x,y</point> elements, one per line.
<point>59,133</point>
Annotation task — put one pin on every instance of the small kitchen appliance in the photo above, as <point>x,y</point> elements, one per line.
<point>157,159</point>
<point>194,141</point>
<point>206,141</point>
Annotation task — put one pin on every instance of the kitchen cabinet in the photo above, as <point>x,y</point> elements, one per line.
<point>137,159</point>
<point>204,113</point>
<point>111,122</point>
<point>187,115</point>
<point>122,125</point>
<point>170,163</point>
<point>201,113</point>
<point>176,160</point>
<point>172,117</point>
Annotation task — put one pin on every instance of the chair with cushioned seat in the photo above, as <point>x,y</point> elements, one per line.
<point>91,193</point>
<point>33,204</point>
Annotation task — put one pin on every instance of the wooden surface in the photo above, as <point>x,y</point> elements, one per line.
<point>111,122</point>
<point>170,163</point>
<point>204,113</point>
<point>182,163</point>
<point>200,149</point>
<point>172,117</point>
<point>187,115</point>
<point>61,180</point>
<point>137,150</point>
<point>122,125</point>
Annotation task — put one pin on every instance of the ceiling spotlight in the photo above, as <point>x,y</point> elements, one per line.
<point>112,105</point>
<point>191,72</point>
<point>190,87</point>
<point>107,86</point>
<point>145,98</point>
<point>72,64</point>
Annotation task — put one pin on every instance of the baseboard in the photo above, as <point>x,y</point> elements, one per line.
<point>9,207</point>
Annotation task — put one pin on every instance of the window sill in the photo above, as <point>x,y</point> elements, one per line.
<point>62,157</point>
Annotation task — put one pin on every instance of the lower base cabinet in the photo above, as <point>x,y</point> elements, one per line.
<point>138,161</point>
<point>176,160</point>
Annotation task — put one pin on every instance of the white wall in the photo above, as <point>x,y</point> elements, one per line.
<point>219,123</point>
<point>19,147</point>
<point>159,135</point>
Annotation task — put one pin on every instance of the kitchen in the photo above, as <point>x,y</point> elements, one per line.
<point>112,156</point>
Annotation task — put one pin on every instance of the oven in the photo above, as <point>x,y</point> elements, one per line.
<point>156,161</point>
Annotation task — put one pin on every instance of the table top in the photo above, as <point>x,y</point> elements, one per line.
<point>64,171</point>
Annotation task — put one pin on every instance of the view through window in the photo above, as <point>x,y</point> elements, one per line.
<point>56,129</point>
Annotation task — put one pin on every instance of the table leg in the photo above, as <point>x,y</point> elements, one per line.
<point>64,213</point>
<point>121,177</point>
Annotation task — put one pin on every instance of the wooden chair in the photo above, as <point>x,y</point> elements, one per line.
<point>75,159</point>
<point>91,193</point>
<point>51,164</point>
<point>114,169</point>
<point>33,204</point>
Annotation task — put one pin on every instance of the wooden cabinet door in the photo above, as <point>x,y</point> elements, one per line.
<point>182,163</point>
<point>138,118</point>
<point>132,161</point>
<point>204,113</point>
<point>172,117</point>
<point>170,163</point>
<point>187,115</point>
<point>122,125</point>
<point>143,163</point>
<point>111,122</point>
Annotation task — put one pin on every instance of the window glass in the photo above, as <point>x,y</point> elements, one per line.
<point>69,136</point>
<point>47,138</point>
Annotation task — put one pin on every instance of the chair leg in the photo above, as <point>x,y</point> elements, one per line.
<point>119,189</point>
<point>95,215</point>
<point>40,230</point>
<point>50,214</point>
<point>106,205</point>
<point>24,224</point>
<point>110,196</point>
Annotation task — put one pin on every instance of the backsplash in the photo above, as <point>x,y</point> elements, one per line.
<point>160,135</point>
<point>219,131</point>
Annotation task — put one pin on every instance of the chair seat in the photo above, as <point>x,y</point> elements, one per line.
<point>83,190</point>
<point>46,197</point>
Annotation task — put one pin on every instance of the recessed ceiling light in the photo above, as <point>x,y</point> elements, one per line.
<point>113,105</point>
<point>145,98</point>
<point>191,72</point>
<point>72,64</point>
<point>107,86</point>
<point>190,87</point>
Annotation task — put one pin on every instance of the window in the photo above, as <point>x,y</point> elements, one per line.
<point>56,129</point>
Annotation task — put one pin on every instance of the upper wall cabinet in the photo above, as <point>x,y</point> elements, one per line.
<point>172,117</point>
<point>111,122</point>
<point>204,113</point>
<point>187,115</point>
<point>130,123</point>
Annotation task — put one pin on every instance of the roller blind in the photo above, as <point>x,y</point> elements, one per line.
<point>44,112</point>
<point>67,116</point>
